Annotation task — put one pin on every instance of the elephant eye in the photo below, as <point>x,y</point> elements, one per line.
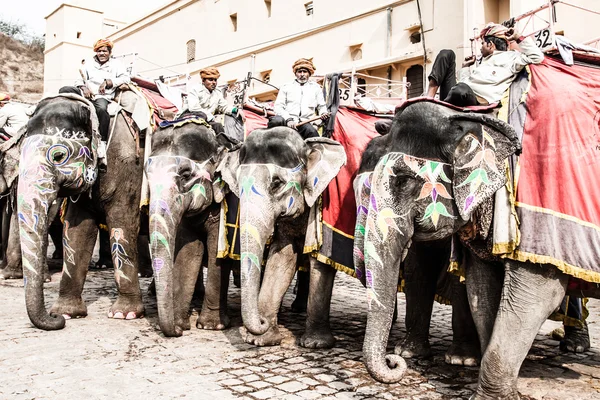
<point>276,184</point>
<point>185,174</point>
<point>58,156</point>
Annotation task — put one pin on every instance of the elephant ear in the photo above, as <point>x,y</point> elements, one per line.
<point>227,173</point>
<point>479,161</point>
<point>325,159</point>
<point>219,187</point>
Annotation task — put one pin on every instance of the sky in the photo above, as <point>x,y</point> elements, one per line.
<point>32,12</point>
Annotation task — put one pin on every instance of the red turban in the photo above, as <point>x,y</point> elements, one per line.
<point>210,72</point>
<point>103,42</point>
<point>304,63</point>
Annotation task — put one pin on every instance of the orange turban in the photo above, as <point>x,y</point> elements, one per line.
<point>103,42</point>
<point>495,30</point>
<point>304,63</point>
<point>210,72</point>
<point>4,97</point>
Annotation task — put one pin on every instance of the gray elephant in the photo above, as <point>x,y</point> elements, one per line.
<point>279,177</point>
<point>57,159</point>
<point>424,275</point>
<point>421,190</point>
<point>184,224</point>
<point>115,195</point>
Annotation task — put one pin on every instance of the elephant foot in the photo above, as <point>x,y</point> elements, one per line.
<point>12,273</point>
<point>184,323</point>
<point>272,337</point>
<point>413,349</point>
<point>576,340</point>
<point>214,320</point>
<point>126,308</point>
<point>299,304</point>
<point>317,339</point>
<point>69,308</point>
<point>466,354</point>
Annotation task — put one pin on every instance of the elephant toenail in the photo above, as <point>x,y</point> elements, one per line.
<point>66,316</point>
<point>130,315</point>
<point>118,315</point>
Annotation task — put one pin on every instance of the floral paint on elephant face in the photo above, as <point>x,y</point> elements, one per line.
<point>278,191</point>
<point>174,181</point>
<point>48,163</point>
<point>385,211</point>
<point>483,160</point>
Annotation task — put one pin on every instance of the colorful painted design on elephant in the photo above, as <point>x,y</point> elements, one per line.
<point>485,156</point>
<point>251,188</point>
<point>43,158</point>
<point>119,255</point>
<point>69,252</point>
<point>163,173</point>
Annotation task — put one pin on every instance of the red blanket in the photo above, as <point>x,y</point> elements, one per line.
<point>558,195</point>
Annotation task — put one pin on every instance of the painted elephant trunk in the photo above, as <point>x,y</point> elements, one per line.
<point>34,197</point>
<point>165,216</point>
<point>386,368</point>
<point>257,224</point>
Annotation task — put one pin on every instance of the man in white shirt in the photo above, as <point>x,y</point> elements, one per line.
<point>101,76</point>
<point>300,100</point>
<point>206,101</point>
<point>12,116</point>
<point>492,75</point>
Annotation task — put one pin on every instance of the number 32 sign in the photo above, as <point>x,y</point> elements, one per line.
<point>543,38</point>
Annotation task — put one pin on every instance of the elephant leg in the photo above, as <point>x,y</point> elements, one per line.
<point>318,332</point>
<point>79,238</point>
<point>484,289</point>
<point>278,275</point>
<point>105,258</point>
<point>577,336</point>
<point>235,271</point>
<point>5,226</point>
<point>123,224</point>
<point>302,288</point>
<point>531,292</point>
<point>465,349</point>
<point>422,267</point>
<point>144,256</point>
<point>55,229</point>
<point>214,307</point>
<point>188,260</point>
<point>14,269</point>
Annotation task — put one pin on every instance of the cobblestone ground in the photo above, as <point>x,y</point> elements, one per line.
<point>99,358</point>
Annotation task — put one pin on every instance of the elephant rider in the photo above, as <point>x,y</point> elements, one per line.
<point>204,100</point>
<point>300,100</point>
<point>101,76</point>
<point>493,73</point>
<point>12,116</point>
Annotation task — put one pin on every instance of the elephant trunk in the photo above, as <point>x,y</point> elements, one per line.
<point>34,197</point>
<point>165,216</point>
<point>384,251</point>
<point>257,223</point>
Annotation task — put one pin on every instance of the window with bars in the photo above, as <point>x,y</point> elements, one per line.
<point>191,50</point>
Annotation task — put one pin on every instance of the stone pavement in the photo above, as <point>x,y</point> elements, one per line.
<point>99,358</point>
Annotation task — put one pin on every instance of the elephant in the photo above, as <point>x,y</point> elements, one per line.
<point>278,177</point>
<point>421,191</point>
<point>57,159</point>
<point>426,262</point>
<point>116,195</point>
<point>184,214</point>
